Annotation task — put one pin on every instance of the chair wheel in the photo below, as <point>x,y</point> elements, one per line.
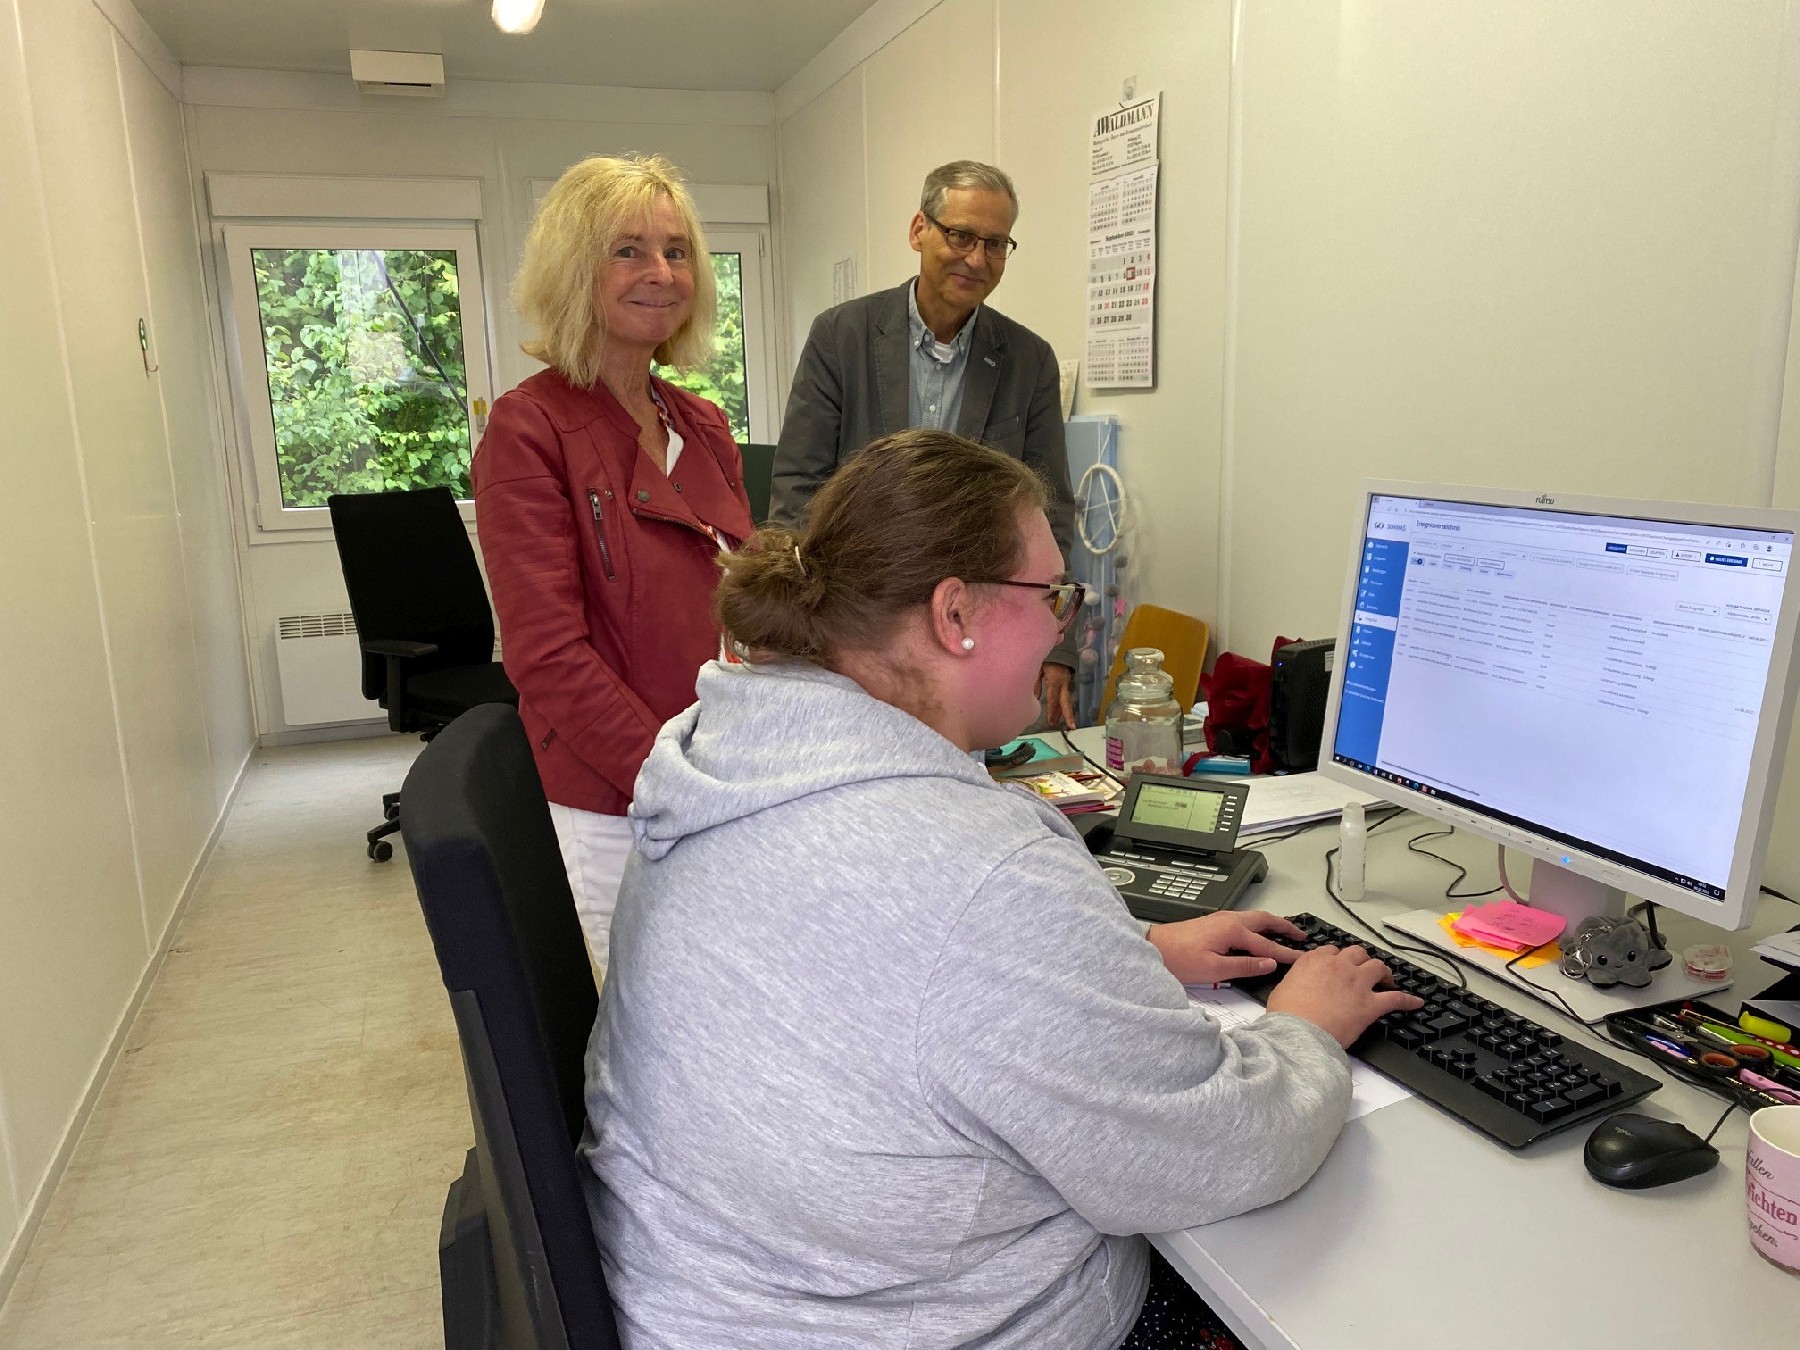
<point>380,850</point>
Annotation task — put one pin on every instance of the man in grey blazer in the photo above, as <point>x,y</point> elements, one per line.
<point>929,354</point>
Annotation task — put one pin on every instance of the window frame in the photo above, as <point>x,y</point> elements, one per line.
<point>751,244</point>
<point>269,514</point>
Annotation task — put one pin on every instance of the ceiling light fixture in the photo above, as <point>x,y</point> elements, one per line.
<point>517,16</point>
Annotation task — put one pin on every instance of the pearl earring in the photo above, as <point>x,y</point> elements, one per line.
<point>968,644</point>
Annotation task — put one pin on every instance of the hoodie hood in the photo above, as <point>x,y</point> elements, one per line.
<point>762,736</point>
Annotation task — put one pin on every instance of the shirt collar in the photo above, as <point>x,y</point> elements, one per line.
<point>925,340</point>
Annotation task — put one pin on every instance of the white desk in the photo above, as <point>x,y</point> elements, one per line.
<point>1420,1232</point>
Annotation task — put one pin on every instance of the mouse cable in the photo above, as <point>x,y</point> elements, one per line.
<point>1717,1123</point>
<point>1780,895</point>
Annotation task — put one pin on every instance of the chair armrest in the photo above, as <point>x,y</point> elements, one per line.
<point>404,650</point>
<point>398,653</point>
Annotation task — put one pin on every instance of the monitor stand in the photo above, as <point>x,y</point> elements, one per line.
<point>1575,897</point>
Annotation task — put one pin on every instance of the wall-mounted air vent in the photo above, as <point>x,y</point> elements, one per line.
<point>408,74</point>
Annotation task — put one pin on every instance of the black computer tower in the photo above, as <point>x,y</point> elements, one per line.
<point>1297,702</point>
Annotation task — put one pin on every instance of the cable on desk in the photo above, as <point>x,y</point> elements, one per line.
<point>1385,940</point>
<point>1524,983</point>
<point>1780,895</point>
<point>1717,1123</point>
<point>1450,891</point>
<point>1099,768</point>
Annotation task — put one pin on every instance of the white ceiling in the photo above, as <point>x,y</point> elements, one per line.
<point>651,44</point>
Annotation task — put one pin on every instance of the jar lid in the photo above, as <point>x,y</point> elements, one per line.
<point>1708,961</point>
<point>1144,679</point>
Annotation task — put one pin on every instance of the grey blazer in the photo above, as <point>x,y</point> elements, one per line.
<point>851,384</point>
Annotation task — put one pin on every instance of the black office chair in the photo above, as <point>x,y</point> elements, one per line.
<point>759,466</point>
<point>422,616</point>
<point>517,1259</point>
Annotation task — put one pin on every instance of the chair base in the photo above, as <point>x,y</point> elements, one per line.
<point>379,848</point>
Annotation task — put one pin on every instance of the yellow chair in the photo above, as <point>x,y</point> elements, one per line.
<point>1180,637</point>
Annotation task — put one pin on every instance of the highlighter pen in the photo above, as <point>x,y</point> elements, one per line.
<point>1762,1026</point>
<point>1769,1088</point>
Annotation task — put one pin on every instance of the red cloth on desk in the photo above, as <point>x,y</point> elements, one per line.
<point>1237,708</point>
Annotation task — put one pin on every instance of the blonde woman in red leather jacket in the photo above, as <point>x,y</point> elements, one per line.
<point>602,498</point>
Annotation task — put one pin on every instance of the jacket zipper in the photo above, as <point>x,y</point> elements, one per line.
<point>600,533</point>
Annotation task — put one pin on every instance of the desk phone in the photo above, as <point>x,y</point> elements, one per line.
<point>1173,851</point>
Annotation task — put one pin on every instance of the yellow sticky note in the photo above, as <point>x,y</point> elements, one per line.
<point>1538,958</point>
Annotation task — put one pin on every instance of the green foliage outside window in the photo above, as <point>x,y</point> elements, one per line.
<point>367,381</point>
<point>722,378</point>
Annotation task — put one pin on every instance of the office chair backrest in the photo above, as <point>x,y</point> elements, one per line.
<point>1181,638</point>
<point>412,576</point>
<point>496,899</point>
<point>759,466</point>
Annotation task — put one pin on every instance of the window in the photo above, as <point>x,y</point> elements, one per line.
<point>362,358</point>
<point>722,378</point>
<point>737,376</point>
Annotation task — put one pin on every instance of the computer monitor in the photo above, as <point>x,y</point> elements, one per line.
<point>1603,684</point>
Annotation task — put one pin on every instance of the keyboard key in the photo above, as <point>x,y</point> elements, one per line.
<point>1548,1109</point>
<point>1581,1096</point>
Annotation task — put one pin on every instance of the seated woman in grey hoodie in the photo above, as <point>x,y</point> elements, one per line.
<point>881,1059</point>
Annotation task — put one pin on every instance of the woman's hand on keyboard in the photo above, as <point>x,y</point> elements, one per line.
<point>1229,945</point>
<point>1334,989</point>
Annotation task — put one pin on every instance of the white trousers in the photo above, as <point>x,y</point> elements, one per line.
<point>594,849</point>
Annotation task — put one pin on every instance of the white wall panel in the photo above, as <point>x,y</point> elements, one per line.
<point>1525,245</point>
<point>71,931</point>
<point>183,349</point>
<point>930,99</point>
<point>100,274</point>
<point>1063,62</point>
<point>824,207</point>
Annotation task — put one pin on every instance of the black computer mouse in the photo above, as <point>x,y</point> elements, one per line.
<point>1635,1152</point>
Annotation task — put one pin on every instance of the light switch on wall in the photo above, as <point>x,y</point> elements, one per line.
<point>843,280</point>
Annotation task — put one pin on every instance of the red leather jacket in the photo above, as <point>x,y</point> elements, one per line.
<point>602,572</point>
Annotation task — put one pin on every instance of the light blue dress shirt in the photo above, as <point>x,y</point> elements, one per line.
<point>935,370</point>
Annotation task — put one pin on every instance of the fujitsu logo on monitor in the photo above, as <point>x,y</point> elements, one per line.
<point>1545,499</point>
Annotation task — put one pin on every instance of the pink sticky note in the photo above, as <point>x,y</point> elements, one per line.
<point>1511,925</point>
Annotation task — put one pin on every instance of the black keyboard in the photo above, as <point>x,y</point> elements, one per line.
<point>1502,1073</point>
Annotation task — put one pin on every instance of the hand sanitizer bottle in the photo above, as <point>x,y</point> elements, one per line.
<point>1353,836</point>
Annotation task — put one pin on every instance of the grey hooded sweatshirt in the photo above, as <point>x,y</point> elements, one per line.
<point>883,1061</point>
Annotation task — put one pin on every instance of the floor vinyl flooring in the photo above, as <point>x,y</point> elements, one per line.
<point>266,1164</point>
